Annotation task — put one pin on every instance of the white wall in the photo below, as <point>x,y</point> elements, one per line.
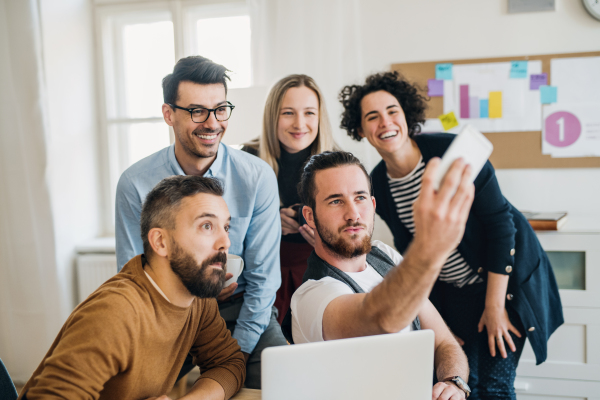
<point>73,171</point>
<point>429,30</point>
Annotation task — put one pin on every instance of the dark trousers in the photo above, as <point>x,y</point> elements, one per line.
<point>272,336</point>
<point>294,258</point>
<point>490,377</point>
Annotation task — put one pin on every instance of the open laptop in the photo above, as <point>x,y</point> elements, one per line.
<point>394,366</point>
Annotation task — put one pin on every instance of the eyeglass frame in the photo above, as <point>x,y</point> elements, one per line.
<point>210,110</point>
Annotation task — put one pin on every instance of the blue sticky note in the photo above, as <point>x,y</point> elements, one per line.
<point>443,71</point>
<point>548,94</point>
<point>483,108</point>
<point>518,69</point>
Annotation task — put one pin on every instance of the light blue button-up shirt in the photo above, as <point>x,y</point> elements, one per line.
<point>252,197</point>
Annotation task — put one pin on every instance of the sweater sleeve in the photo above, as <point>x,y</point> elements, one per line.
<point>493,211</point>
<point>94,345</point>
<point>216,353</point>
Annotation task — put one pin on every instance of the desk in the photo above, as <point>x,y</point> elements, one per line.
<point>247,394</point>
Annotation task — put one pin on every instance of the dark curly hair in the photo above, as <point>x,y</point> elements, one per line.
<point>413,104</point>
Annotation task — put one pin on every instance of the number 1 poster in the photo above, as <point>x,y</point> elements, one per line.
<point>571,130</point>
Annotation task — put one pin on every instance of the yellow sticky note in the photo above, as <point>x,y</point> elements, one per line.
<point>495,105</point>
<point>448,120</point>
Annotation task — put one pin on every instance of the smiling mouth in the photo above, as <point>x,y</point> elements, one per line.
<point>298,134</point>
<point>388,134</point>
<point>206,137</point>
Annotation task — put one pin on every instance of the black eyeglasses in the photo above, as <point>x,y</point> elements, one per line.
<point>199,115</point>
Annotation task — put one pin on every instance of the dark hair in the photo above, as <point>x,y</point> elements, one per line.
<point>318,162</point>
<point>195,69</point>
<point>161,203</point>
<point>413,104</point>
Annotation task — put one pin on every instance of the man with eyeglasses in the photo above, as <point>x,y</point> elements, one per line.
<point>196,106</point>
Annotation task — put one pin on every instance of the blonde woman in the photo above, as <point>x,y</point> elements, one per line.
<point>295,126</point>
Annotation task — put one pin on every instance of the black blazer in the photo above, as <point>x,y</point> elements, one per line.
<point>497,238</point>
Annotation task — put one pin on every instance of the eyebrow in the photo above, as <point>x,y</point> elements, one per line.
<point>387,108</point>
<point>201,106</point>
<point>338,195</point>
<point>210,215</point>
<point>305,108</point>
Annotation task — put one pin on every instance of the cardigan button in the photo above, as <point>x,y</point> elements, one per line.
<point>509,297</point>
<point>531,329</point>
<point>480,270</point>
<point>508,269</point>
<point>512,252</point>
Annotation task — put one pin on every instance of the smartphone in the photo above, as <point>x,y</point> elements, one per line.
<point>299,216</point>
<point>472,147</point>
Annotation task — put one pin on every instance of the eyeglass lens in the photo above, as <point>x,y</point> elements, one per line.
<point>201,114</point>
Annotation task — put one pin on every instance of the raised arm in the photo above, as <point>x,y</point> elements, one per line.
<point>440,219</point>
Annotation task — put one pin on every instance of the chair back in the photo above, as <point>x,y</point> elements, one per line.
<point>7,387</point>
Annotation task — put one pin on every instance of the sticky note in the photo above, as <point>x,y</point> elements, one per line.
<point>537,80</point>
<point>435,87</point>
<point>548,94</point>
<point>464,101</point>
<point>443,71</point>
<point>483,108</point>
<point>495,105</point>
<point>518,69</point>
<point>474,107</point>
<point>448,120</point>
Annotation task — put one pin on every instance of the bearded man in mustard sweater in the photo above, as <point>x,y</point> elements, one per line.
<point>129,339</point>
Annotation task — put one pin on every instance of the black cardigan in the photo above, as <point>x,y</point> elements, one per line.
<point>494,228</point>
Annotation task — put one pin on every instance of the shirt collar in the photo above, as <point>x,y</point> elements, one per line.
<point>213,170</point>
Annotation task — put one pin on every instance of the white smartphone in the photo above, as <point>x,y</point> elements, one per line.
<point>472,147</point>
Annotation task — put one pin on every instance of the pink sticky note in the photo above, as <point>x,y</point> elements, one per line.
<point>464,101</point>
<point>436,87</point>
<point>538,80</point>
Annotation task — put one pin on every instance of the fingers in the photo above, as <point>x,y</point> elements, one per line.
<point>446,391</point>
<point>288,224</point>
<point>501,347</point>
<point>509,342</point>
<point>288,212</point>
<point>492,345</point>
<point>228,291</point>
<point>308,234</point>
<point>480,325</point>
<point>427,186</point>
<point>463,198</point>
<point>514,330</point>
<point>452,180</point>
<point>459,340</point>
<point>438,388</point>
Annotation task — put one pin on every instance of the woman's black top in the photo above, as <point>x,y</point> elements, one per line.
<point>290,170</point>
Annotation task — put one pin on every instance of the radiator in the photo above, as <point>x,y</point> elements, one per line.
<point>92,271</point>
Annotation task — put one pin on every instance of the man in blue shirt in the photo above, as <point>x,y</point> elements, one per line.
<point>196,107</point>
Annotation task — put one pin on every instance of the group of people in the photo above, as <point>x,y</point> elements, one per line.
<point>300,213</point>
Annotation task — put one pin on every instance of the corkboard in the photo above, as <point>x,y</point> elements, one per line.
<point>511,149</point>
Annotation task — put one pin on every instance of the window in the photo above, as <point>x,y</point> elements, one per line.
<point>139,43</point>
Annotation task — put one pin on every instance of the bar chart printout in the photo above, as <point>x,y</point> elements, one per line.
<point>464,101</point>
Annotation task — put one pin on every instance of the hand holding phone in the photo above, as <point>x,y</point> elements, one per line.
<point>472,147</point>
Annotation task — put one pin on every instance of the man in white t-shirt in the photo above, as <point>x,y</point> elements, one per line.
<point>351,297</point>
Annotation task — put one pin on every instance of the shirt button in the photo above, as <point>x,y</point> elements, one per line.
<point>508,269</point>
<point>509,297</point>
<point>512,252</point>
<point>480,270</point>
<point>531,329</point>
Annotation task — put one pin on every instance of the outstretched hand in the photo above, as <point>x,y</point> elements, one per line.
<point>440,216</point>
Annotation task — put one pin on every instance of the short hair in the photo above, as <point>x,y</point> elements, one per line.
<point>413,104</point>
<point>196,69</point>
<point>161,204</point>
<point>319,162</point>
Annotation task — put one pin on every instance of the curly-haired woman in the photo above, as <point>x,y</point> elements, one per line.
<point>497,287</point>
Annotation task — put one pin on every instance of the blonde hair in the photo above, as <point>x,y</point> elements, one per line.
<point>268,144</point>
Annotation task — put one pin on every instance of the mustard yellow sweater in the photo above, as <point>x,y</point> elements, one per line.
<point>126,341</point>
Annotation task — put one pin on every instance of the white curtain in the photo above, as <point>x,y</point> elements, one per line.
<point>29,298</point>
<point>313,37</point>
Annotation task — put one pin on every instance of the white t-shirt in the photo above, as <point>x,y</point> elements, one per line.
<point>312,298</point>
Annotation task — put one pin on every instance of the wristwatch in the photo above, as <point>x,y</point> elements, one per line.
<point>462,385</point>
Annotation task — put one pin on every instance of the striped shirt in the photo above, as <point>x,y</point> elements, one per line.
<point>405,191</point>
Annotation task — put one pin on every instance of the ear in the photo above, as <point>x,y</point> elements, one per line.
<point>167,112</point>
<point>307,212</point>
<point>374,202</point>
<point>159,242</point>
<point>360,132</point>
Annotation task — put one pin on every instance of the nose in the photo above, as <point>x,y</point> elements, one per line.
<point>351,213</point>
<point>385,120</point>
<point>212,122</point>
<point>299,121</point>
<point>223,243</point>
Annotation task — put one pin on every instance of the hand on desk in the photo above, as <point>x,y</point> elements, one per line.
<point>447,391</point>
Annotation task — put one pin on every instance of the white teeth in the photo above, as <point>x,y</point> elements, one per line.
<point>207,137</point>
<point>388,135</point>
